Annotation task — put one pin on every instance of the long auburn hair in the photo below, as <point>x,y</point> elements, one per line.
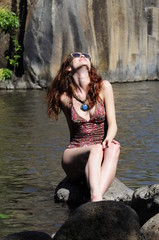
<point>63,83</point>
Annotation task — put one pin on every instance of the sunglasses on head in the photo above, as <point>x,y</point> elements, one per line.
<point>77,55</point>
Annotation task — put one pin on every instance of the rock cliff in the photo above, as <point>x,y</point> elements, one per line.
<point>121,36</point>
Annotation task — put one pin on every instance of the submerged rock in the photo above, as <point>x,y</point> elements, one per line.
<point>101,220</point>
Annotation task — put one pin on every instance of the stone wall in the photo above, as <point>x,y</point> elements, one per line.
<point>121,36</point>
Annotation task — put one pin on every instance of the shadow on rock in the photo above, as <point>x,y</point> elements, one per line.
<point>72,193</point>
<point>145,202</point>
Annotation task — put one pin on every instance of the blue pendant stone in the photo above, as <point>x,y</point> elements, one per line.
<point>84,107</point>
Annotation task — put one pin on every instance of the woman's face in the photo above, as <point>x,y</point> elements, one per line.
<point>80,60</point>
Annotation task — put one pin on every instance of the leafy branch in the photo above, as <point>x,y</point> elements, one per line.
<point>9,23</point>
<point>5,73</point>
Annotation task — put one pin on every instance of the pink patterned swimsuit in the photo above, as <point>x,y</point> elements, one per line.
<point>90,132</point>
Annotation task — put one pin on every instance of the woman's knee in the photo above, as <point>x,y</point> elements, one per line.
<point>114,147</point>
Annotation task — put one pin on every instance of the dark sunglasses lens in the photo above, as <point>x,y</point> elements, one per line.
<point>86,55</point>
<point>76,55</point>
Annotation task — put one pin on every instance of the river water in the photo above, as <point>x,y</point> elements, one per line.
<point>31,146</point>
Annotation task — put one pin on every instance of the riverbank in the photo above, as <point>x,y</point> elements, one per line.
<point>25,83</point>
<point>21,83</point>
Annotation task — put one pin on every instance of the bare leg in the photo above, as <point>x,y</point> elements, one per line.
<point>74,162</point>
<point>93,171</point>
<point>108,168</point>
<point>85,162</point>
<point>98,166</point>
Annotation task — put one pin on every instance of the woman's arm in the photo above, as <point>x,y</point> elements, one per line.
<point>108,98</point>
<point>65,106</point>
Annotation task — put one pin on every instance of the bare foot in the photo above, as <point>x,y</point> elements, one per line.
<point>96,198</point>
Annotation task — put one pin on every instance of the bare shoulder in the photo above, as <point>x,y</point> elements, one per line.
<point>106,89</point>
<point>106,85</point>
<point>65,100</point>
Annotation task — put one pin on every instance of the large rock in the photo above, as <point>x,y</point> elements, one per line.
<point>121,36</point>
<point>150,230</point>
<point>20,83</point>
<point>6,84</point>
<point>101,220</point>
<point>28,235</point>
<point>118,191</point>
<point>145,202</point>
<point>78,193</point>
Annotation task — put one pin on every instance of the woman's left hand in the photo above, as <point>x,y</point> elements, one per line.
<point>107,142</point>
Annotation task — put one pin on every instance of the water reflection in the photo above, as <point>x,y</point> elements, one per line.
<point>31,146</point>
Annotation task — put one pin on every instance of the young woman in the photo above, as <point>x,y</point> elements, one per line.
<point>88,104</point>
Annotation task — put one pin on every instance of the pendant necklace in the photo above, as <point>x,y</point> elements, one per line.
<point>84,107</point>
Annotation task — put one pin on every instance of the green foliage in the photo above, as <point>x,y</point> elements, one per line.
<point>5,73</point>
<point>8,20</point>
<point>9,23</point>
<point>2,215</point>
<point>13,61</point>
<point>16,44</point>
